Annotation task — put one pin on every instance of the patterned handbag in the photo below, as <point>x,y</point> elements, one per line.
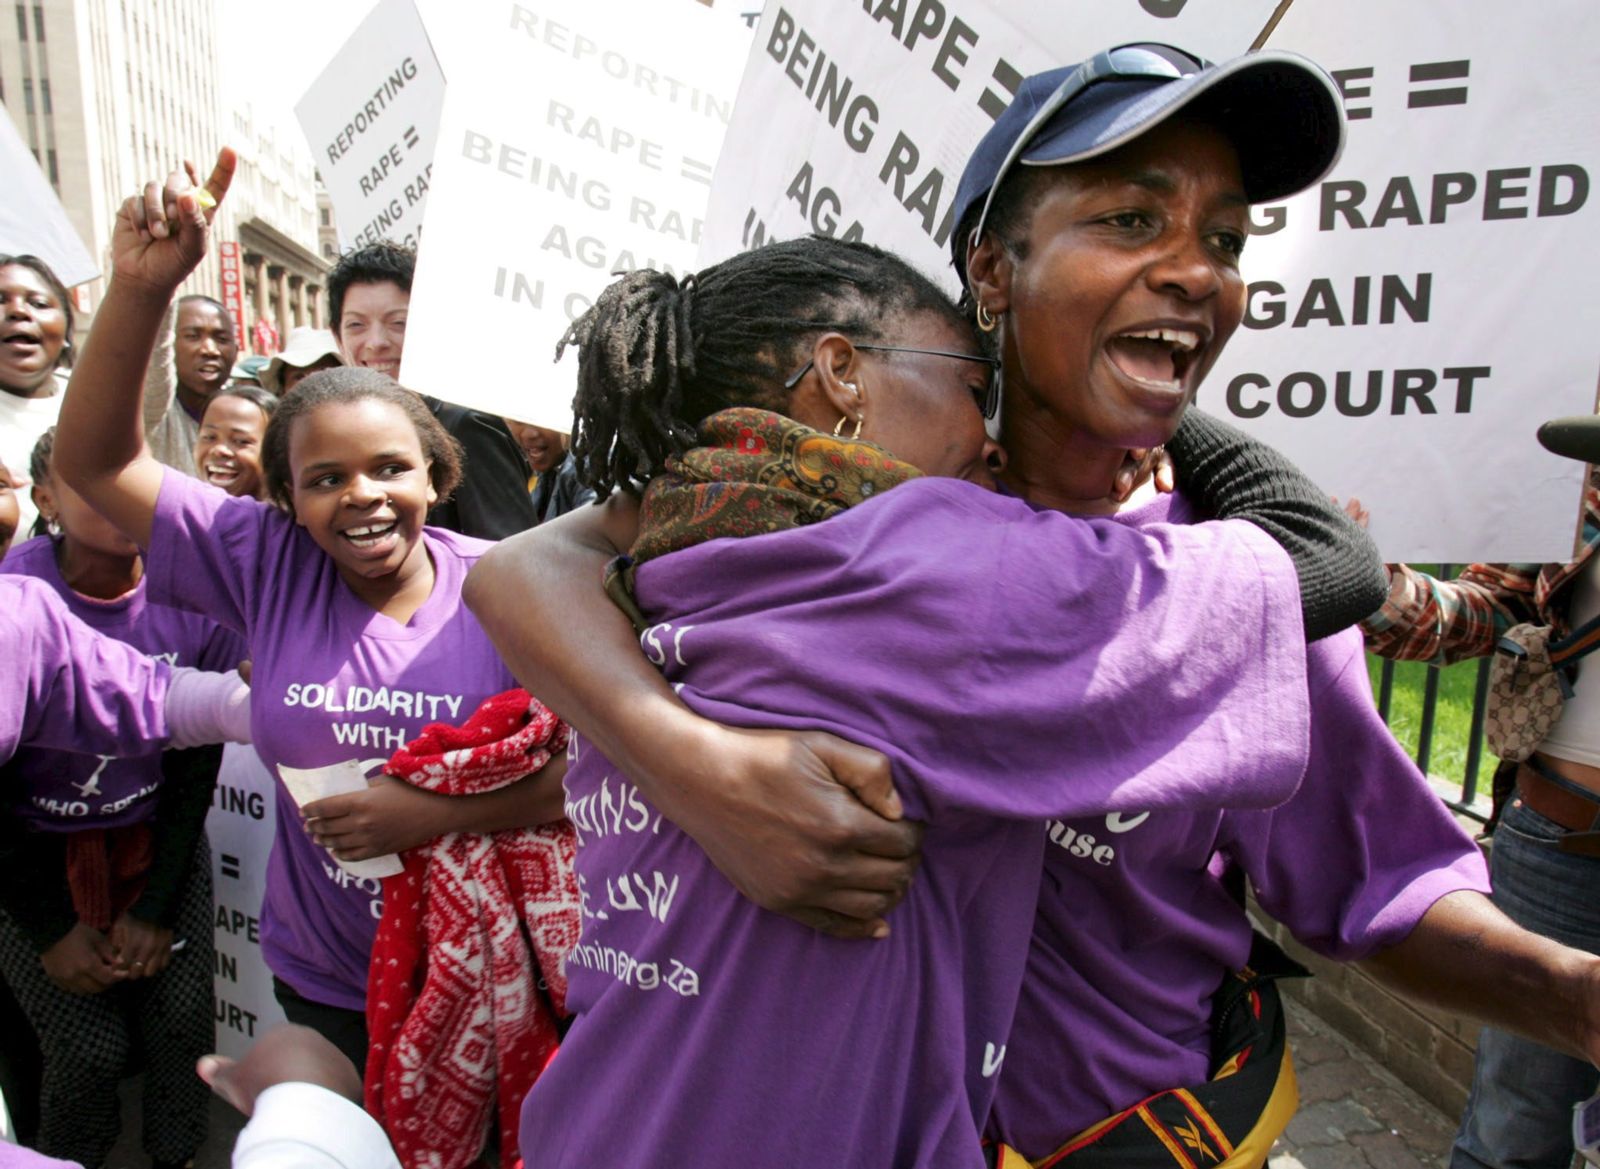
<point>1530,681</point>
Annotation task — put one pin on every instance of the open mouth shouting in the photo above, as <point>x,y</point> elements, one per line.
<point>1157,357</point>
<point>222,472</point>
<point>23,343</point>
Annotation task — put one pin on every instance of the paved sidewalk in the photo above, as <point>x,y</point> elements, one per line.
<point>1354,1114</point>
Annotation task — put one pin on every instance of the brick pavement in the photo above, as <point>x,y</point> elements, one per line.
<point>1353,1113</point>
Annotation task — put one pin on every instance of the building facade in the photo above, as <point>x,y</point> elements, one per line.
<point>109,94</point>
<point>275,217</point>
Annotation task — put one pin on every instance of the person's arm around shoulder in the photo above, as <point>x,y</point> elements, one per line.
<point>1233,476</point>
<point>100,450</point>
<point>768,808</point>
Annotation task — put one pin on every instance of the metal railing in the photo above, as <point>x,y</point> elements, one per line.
<point>1466,805</point>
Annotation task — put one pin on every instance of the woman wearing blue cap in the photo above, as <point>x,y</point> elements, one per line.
<point>1103,220</point>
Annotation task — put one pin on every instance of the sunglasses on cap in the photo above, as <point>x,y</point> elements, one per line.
<point>991,392</point>
<point>1126,62</point>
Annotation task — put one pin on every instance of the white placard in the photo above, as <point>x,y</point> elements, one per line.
<point>1417,316</point>
<point>581,144</point>
<point>855,120</point>
<point>240,826</point>
<point>32,220</point>
<point>308,784</point>
<point>372,119</point>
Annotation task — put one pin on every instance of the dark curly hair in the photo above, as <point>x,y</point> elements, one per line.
<point>64,298</point>
<point>657,355</point>
<point>384,262</point>
<point>350,383</point>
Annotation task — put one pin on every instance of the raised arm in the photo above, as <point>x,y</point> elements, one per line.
<point>160,375</point>
<point>1232,476</point>
<point>767,807</point>
<point>100,451</point>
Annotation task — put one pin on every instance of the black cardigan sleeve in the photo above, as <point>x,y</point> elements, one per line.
<point>1232,476</point>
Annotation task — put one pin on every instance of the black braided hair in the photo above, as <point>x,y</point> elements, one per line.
<point>39,471</point>
<point>657,355</point>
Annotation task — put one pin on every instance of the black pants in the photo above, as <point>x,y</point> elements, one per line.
<point>345,1029</point>
<point>90,1041</point>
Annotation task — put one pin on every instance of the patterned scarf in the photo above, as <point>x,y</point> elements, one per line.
<point>459,1029</point>
<point>754,472</point>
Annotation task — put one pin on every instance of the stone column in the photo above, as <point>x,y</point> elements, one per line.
<point>314,296</point>
<point>258,266</point>
<point>281,275</point>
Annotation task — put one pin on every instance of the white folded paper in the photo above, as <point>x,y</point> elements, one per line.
<point>314,783</point>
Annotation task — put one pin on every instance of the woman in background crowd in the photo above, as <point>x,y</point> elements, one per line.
<point>227,450</point>
<point>36,323</point>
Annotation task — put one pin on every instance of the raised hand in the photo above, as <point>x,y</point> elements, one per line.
<point>160,235</point>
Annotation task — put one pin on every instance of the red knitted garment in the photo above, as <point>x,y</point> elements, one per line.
<point>457,1023</point>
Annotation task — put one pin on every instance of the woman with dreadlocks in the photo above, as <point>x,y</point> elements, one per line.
<point>800,419</point>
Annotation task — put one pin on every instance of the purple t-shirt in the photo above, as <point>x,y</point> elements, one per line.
<point>1013,665</point>
<point>66,687</point>
<point>67,791</point>
<point>1135,929</point>
<point>333,680</point>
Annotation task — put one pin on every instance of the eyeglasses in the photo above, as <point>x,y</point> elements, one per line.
<point>991,393</point>
<point>1126,61</point>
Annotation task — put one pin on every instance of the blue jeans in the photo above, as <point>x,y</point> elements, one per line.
<point>1519,1115</point>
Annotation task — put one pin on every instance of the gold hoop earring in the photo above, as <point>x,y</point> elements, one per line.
<point>838,427</point>
<point>986,319</point>
<point>856,433</point>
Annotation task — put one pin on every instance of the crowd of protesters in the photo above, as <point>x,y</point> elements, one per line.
<point>920,833</point>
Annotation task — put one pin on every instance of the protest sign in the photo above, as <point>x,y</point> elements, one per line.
<point>372,119</point>
<point>855,120</point>
<point>1410,322</point>
<point>1413,319</point>
<point>240,828</point>
<point>32,220</point>
<point>582,143</point>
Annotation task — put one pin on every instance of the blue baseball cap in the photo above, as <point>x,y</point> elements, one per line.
<point>1281,111</point>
